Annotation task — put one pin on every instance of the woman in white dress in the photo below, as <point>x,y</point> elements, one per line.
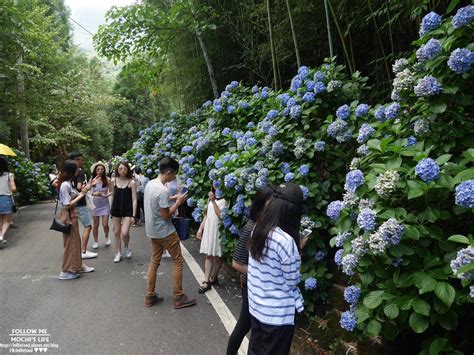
<point>208,233</point>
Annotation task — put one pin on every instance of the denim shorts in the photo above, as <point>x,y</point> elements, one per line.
<point>84,216</point>
<point>5,204</point>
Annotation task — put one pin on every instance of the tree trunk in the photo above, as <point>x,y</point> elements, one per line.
<point>20,92</point>
<point>272,47</point>
<point>210,68</point>
<point>298,61</point>
<point>331,49</point>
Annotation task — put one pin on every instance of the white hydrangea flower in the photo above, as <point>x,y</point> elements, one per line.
<point>386,183</point>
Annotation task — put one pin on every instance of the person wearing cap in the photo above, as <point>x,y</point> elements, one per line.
<point>273,272</point>
<point>101,190</point>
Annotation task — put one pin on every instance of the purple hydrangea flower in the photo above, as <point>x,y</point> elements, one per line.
<point>465,194</point>
<point>427,170</point>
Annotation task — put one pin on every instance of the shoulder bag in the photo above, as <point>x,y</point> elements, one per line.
<point>58,225</point>
<point>181,224</point>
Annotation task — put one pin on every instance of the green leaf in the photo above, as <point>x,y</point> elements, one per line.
<point>366,277</point>
<point>415,189</point>
<point>391,310</point>
<point>374,327</point>
<point>458,238</point>
<point>373,299</point>
<point>469,154</point>
<point>466,268</point>
<point>421,307</point>
<point>443,159</point>
<point>394,163</point>
<point>449,320</point>
<point>445,293</point>
<point>452,5</point>
<point>412,232</point>
<point>418,322</point>
<point>437,346</point>
<point>362,314</point>
<point>464,175</point>
<point>427,284</point>
<point>438,107</point>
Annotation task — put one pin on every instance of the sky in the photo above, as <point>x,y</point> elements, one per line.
<point>90,14</point>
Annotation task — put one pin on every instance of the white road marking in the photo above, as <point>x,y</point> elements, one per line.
<point>222,310</point>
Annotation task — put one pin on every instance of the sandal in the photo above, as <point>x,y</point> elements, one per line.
<point>214,282</point>
<point>206,286</point>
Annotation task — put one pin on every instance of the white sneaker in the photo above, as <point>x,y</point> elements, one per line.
<point>86,269</point>
<point>128,252</point>
<point>95,245</point>
<point>89,255</point>
<point>108,241</point>
<point>117,258</point>
<point>166,254</point>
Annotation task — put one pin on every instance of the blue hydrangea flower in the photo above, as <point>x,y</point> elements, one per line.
<point>272,114</point>
<point>343,112</point>
<point>310,283</point>
<point>391,111</point>
<point>305,191</point>
<point>319,146</point>
<point>427,86</point>
<point>337,127</point>
<point>218,108</point>
<point>363,150</point>
<point>285,167</point>
<point>380,114</point>
<point>197,214</point>
<point>471,291</point>
<point>230,109</point>
<point>295,111</point>
<point>283,99</point>
<point>334,209</point>
<point>254,89</point>
<point>250,125</point>
<point>354,179</point>
<point>430,22</point>
<point>391,231</point>
<point>303,72</point>
<point>463,17</point>
<point>338,257</point>
<point>310,85</point>
<point>319,87</point>
<point>429,51</point>
<point>190,202</point>
<point>187,149</point>
<point>349,264</point>
<point>207,103</point>
<point>264,95</point>
<point>348,321</point>
<point>219,193</point>
<point>230,180</point>
<point>352,294</point>
<point>304,170</point>
<point>341,238</point>
<point>465,194</point>
<point>464,257</point>
<point>366,219</point>
<point>291,102</point>
<point>244,104</point>
<point>296,83</point>
<point>218,164</point>
<point>234,230</point>
<point>461,60</point>
<point>289,177</point>
<point>361,110</point>
<point>251,142</point>
<point>189,182</point>
<point>427,170</point>
<point>410,141</point>
<point>210,160</point>
<point>261,181</point>
<point>365,132</point>
<point>309,97</point>
<point>277,148</point>
<point>226,131</point>
<point>319,76</point>
<point>319,255</point>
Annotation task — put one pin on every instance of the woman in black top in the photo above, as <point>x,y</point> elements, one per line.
<point>239,262</point>
<point>124,208</point>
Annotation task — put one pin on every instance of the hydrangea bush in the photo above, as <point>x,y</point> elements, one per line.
<point>405,237</point>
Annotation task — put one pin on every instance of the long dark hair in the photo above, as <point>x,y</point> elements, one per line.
<point>125,164</point>
<point>67,172</point>
<point>3,166</point>
<point>103,178</point>
<point>261,197</point>
<point>284,211</point>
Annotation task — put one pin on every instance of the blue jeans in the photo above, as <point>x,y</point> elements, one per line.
<point>84,216</point>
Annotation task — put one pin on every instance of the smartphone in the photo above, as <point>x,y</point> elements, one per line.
<point>184,190</point>
<point>305,232</point>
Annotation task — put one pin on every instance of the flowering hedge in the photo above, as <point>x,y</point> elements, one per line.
<point>398,215</point>
<point>31,179</point>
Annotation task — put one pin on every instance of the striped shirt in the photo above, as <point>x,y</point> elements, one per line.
<point>273,281</point>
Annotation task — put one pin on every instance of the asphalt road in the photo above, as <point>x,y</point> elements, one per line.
<point>102,312</point>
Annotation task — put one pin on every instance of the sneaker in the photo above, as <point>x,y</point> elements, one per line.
<point>135,225</point>
<point>127,252</point>
<point>88,254</point>
<point>86,269</point>
<point>68,276</point>
<point>108,241</point>
<point>184,301</point>
<point>95,245</point>
<point>3,242</point>
<point>166,254</point>
<point>152,300</point>
<point>117,258</point>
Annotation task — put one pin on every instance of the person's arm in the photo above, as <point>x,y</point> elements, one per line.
<point>201,229</point>
<point>12,183</point>
<point>168,212</point>
<point>216,209</point>
<point>240,267</point>
<point>133,186</point>
<point>290,265</point>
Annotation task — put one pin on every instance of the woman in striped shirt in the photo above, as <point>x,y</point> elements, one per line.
<point>274,272</point>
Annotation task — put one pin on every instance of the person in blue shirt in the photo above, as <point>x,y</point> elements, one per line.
<point>274,272</point>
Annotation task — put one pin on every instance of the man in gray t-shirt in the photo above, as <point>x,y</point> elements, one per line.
<point>162,233</point>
